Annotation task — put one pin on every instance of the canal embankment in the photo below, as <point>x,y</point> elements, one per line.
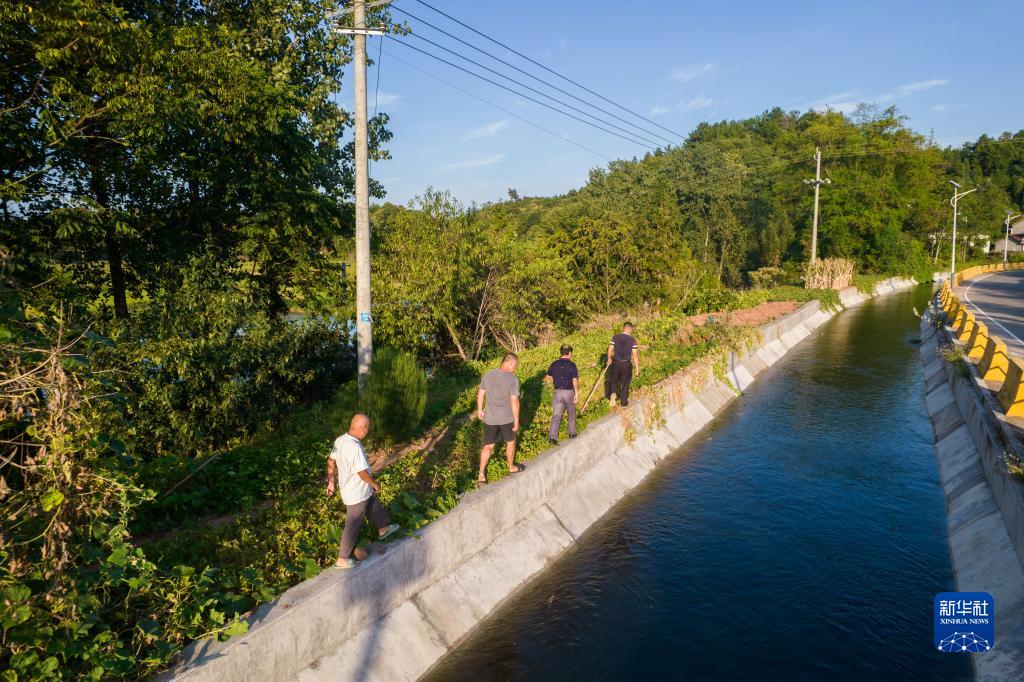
<point>398,613</point>
<point>984,499</point>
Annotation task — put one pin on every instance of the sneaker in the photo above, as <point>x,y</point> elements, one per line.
<point>388,530</point>
<point>346,563</point>
<point>572,435</point>
<point>552,441</point>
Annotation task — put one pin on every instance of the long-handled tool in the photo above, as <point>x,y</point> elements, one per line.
<point>599,378</point>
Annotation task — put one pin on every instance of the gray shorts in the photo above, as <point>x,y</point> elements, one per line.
<point>495,432</point>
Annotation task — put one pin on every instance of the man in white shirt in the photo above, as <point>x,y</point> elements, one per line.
<point>348,466</point>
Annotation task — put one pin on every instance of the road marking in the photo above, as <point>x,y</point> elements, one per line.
<point>987,316</point>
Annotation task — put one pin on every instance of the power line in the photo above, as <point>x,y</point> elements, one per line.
<point>535,90</point>
<point>376,87</point>
<point>527,73</point>
<point>565,78</point>
<point>516,92</point>
<point>498,107</point>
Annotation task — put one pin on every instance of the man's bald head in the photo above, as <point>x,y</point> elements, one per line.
<point>359,427</point>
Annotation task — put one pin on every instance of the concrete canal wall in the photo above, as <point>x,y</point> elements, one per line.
<point>397,614</point>
<point>984,502</point>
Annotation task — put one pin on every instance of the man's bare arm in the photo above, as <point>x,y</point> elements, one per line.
<point>331,476</point>
<point>636,362</point>
<point>480,404</point>
<point>367,478</point>
<point>515,412</point>
<point>575,389</point>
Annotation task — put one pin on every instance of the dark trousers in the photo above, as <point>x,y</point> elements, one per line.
<point>563,403</point>
<point>621,373</point>
<point>370,508</point>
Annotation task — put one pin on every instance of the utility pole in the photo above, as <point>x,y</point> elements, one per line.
<point>957,195</point>
<point>364,319</point>
<point>817,182</point>
<point>1006,240</point>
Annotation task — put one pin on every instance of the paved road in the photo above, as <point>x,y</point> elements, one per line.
<point>999,298</point>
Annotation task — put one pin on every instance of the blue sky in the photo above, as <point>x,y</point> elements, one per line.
<point>955,69</point>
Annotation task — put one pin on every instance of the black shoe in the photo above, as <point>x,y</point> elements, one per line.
<point>572,435</point>
<point>552,441</point>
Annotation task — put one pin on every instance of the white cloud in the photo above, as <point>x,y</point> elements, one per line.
<point>939,108</point>
<point>910,89</point>
<point>473,163</point>
<point>386,99</point>
<point>841,102</point>
<point>489,130</point>
<point>846,102</point>
<point>687,73</point>
<point>922,85</point>
<point>699,102</point>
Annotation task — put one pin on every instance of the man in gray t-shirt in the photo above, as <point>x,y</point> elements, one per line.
<point>499,389</point>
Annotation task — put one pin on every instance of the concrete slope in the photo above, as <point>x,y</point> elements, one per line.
<point>397,614</point>
<point>983,503</point>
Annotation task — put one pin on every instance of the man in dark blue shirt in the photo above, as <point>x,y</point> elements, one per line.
<point>623,363</point>
<point>566,379</point>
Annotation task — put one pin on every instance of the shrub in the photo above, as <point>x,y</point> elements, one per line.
<point>766,278</point>
<point>828,273</point>
<point>395,395</point>
<point>710,300</point>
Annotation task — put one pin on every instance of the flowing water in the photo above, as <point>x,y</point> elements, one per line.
<point>800,536</point>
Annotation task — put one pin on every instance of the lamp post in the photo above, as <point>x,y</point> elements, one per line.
<point>957,195</point>
<point>1006,240</point>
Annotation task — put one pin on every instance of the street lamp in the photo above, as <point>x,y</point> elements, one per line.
<point>1006,241</point>
<point>957,195</point>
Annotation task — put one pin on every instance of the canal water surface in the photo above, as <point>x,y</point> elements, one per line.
<point>800,536</point>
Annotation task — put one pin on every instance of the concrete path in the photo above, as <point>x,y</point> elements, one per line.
<point>999,299</point>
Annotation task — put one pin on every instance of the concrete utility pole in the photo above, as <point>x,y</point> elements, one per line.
<point>817,182</point>
<point>957,195</point>
<point>1006,241</point>
<point>364,319</point>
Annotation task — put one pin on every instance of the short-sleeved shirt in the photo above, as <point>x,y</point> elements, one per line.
<point>562,372</point>
<point>350,458</point>
<point>623,345</point>
<point>500,386</point>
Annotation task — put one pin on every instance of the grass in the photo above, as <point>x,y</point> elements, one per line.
<point>865,283</point>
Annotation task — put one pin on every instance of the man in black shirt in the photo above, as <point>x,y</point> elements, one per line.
<point>623,364</point>
<point>566,379</point>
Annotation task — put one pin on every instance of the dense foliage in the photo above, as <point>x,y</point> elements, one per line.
<point>172,175</point>
<point>395,396</point>
<point>176,177</point>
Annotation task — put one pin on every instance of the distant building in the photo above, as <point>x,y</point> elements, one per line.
<point>1016,238</point>
<point>1016,243</point>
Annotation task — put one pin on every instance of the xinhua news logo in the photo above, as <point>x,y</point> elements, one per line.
<point>965,622</point>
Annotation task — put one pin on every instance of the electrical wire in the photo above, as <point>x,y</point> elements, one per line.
<point>498,107</point>
<point>527,73</point>
<point>376,88</point>
<point>516,92</point>
<point>536,91</point>
<point>549,70</point>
